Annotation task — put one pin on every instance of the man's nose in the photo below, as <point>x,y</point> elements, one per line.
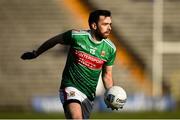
<point>109,27</point>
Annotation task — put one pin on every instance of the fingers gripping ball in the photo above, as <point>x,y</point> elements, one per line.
<point>115,97</point>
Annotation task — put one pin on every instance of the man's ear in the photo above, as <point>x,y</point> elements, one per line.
<point>94,26</point>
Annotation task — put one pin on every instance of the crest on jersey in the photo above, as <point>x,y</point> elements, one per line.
<point>103,53</point>
<point>72,94</point>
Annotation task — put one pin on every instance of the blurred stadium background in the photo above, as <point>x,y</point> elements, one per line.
<point>146,33</point>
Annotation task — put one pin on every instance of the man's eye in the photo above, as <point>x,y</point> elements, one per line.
<point>105,24</point>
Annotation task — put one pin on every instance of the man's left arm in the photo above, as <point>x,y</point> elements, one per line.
<point>107,77</point>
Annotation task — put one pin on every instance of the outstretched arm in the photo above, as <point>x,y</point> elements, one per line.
<point>49,44</point>
<point>107,77</point>
<point>44,47</point>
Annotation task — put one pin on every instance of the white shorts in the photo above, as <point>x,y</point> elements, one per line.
<point>71,94</point>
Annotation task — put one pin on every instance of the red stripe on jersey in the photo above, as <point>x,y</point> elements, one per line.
<point>87,60</point>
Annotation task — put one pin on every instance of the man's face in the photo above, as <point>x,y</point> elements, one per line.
<point>103,27</point>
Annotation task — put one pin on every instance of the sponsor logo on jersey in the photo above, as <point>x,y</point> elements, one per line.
<point>87,60</point>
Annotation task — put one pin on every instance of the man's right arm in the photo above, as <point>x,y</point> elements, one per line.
<point>44,47</point>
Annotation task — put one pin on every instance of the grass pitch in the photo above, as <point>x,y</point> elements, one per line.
<point>95,115</point>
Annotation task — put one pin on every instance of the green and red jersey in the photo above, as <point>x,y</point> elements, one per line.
<point>85,61</point>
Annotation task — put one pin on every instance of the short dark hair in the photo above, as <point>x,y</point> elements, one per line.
<point>94,16</point>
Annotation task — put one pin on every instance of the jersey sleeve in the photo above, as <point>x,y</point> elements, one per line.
<point>111,59</point>
<point>67,37</point>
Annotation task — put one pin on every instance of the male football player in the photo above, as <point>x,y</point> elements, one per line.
<point>90,53</point>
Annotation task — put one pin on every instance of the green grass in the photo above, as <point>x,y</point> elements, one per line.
<point>31,115</point>
<point>97,115</point>
<point>136,115</point>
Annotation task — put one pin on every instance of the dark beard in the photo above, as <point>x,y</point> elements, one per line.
<point>99,36</point>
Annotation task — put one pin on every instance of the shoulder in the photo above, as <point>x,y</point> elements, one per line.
<point>79,32</point>
<point>110,44</point>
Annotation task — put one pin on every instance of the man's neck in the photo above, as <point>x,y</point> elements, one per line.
<point>96,37</point>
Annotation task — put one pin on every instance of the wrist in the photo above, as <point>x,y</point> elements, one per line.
<point>109,86</point>
<point>35,53</point>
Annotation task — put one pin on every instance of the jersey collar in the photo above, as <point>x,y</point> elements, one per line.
<point>94,41</point>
